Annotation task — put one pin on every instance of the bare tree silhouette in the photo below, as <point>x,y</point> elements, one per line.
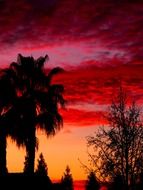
<point>117,149</point>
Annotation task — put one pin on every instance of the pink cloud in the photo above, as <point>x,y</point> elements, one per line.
<point>104,30</point>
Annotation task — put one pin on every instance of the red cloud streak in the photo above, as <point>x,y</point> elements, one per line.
<point>93,86</point>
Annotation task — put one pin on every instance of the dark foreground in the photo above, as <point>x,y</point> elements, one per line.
<point>17,181</point>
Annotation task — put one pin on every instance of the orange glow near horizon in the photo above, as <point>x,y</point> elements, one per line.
<point>65,148</point>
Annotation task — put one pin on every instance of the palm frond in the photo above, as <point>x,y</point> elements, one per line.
<point>55,95</point>
<point>40,61</point>
<point>53,72</point>
<point>7,91</point>
<point>50,123</point>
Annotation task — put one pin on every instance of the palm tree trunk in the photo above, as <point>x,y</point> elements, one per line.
<point>31,136</point>
<point>30,154</point>
<point>3,145</point>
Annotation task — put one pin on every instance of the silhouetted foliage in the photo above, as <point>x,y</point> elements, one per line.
<point>117,183</point>
<point>42,169</point>
<point>140,182</point>
<point>67,180</point>
<point>28,101</point>
<point>25,165</point>
<point>117,148</point>
<point>92,183</point>
<point>18,181</point>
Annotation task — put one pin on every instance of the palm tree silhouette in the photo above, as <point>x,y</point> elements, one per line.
<point>35,106</point>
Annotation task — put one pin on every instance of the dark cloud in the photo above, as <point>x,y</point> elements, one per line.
<point>117,24</point>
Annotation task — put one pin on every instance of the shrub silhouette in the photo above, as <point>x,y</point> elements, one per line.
<point>92,183</point>
<point>42,169</point>
<point>67,180</point>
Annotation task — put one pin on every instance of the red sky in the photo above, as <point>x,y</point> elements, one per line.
<point>100,46</point>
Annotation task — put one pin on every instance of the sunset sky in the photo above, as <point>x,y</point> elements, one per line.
<point>99,43</point>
